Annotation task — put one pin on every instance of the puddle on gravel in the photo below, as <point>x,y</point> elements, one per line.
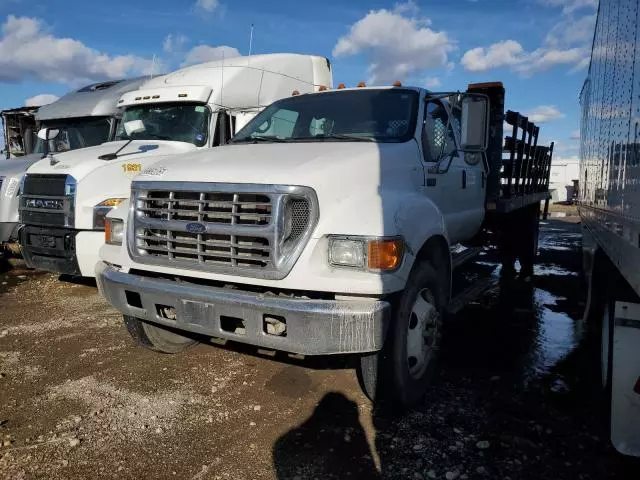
<point>519,331</point>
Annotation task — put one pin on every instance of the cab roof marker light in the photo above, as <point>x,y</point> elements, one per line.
<point>156,96</point>
<point>361,84</point>
<point>397,83</point>
<point>341,86</point>
<point>146,98</point>
<point>322,88</point>
<point>294,93</point>
<point>182,95</point>
<point>138,98</point>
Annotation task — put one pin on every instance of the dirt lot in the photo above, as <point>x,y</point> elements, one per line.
<point>514,400</point>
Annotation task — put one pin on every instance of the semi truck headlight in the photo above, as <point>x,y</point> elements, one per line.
<point>366,253</point>
<point>100,211</point>
<point>113,231</point>
<point>12,187</point>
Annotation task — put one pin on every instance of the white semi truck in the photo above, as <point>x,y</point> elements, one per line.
<point>609,205</point>
<point>326,227</point>
<point>66,197</point>
<point>82,118</point>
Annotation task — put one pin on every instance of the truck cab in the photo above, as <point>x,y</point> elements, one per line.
<point>66,197</point>
<point>82,118</point>
<point>325,227</point>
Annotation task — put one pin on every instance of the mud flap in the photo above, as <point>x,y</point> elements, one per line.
<point>625,388</point>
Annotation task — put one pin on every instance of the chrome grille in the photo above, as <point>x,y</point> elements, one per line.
<point>240,229</point>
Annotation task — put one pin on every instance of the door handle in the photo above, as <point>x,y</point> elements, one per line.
<point>464,179</point>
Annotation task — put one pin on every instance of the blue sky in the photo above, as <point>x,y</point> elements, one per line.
<point>538,48</point>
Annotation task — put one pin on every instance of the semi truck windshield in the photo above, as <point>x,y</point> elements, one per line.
<point>179,122</point>
<point>352,115</point>
<point>74,134</point>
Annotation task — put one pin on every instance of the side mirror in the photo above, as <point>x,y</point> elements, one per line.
<point>134,126</point>
<point>475,123</point>
<point>48,133</point>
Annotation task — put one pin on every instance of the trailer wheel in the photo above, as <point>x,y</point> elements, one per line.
<point>155,337</point>
<point>400,374</point>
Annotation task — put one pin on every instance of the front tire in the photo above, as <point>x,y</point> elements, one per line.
<point>155,337</point>
<point>401,373</point>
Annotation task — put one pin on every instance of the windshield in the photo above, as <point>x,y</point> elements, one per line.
<point>75,133</point>
<point>352,115</point>
<point>179,122</point>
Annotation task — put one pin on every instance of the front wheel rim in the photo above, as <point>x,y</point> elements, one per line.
<point>423,333</point>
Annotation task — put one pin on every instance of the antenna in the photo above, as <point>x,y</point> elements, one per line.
<point>250,39</point>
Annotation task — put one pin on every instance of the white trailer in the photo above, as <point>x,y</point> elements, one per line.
<point>82,118</point>
<point>609,205</point>
<point>66,197</point>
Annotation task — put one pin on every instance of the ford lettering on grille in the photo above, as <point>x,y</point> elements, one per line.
<point>240,229</point>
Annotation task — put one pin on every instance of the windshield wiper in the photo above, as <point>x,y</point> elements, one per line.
<point>261,138</point>
<point>343,136</point>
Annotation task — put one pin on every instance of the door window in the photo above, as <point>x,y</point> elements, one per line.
<point>437,134</point>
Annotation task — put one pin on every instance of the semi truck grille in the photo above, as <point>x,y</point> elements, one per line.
<point>256,230</point>
<point>48,200</point>
<point>50,185</point>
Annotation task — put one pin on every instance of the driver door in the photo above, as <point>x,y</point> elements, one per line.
<point>455,186</point>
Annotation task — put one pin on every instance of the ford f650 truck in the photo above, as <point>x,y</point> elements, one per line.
<point>326,227</point>
<point>82,118</point>
<point>66,197</point>
<point>609,206</point>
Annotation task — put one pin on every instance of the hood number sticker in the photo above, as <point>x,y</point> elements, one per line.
<point>131,167</point>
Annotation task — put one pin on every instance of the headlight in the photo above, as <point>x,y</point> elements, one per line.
<point>12,187</point>
<point>366,253</point>
<point>100,211</point>
<point>113,231</point>
<point>346,253</point>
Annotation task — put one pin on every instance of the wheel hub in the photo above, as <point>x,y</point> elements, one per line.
<point>423,334</point>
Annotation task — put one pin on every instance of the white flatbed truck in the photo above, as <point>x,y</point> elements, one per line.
<point>326,227</point>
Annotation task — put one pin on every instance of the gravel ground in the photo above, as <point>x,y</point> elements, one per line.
<point>514,399</point>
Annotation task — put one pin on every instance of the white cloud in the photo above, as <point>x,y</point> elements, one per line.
<point>545,113</point>
<point>208,5</point>
<point>174,43</point>
<point>575,135</point>
<point>432,82</point>
<point>396,43</point>
<point>505,53</point>
<point>39,100</point>
<point>205,53</point>
<point>567,43</point>
<point>28,51</point>
<point>570,6</point>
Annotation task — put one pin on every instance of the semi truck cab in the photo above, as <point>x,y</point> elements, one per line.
<point>65,197</point>
<point>82,118</point>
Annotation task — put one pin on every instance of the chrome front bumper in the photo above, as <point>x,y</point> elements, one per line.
<point>313,327</point>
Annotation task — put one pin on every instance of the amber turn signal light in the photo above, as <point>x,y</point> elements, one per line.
<point>385,254</point>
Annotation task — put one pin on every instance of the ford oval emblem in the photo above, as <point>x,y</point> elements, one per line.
<point>195,227</point>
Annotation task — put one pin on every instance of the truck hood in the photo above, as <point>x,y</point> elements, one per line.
<point>17,166</point>
<point>310,164</point>
<point>82,162</point>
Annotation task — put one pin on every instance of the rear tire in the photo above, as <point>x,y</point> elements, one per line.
<point>400,374</point>
<point>155,337</point>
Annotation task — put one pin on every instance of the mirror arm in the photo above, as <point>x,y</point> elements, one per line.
<point>436,168</point>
